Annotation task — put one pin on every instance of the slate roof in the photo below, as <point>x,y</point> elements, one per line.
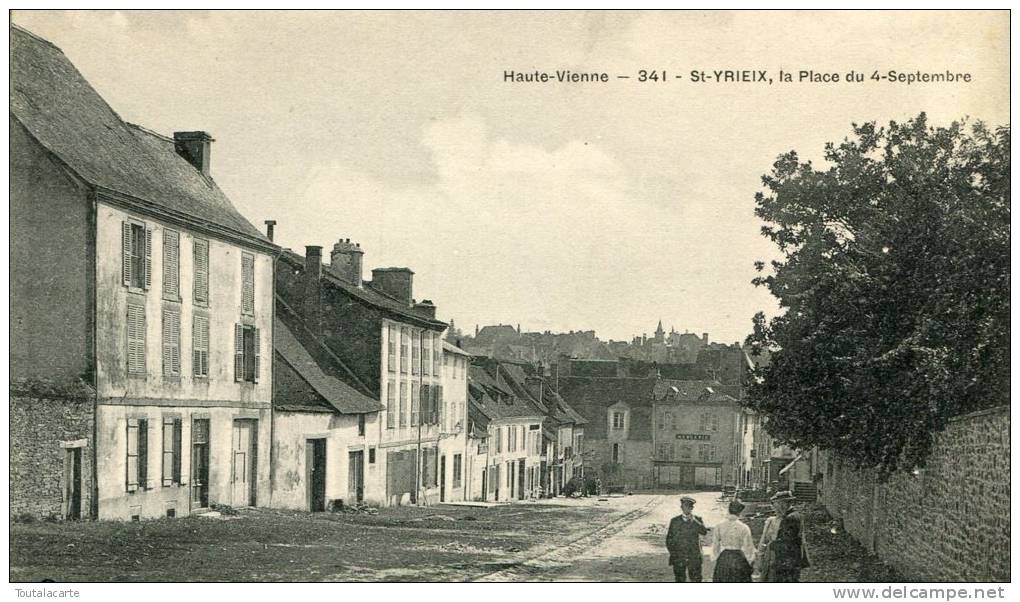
<point>497,401</point>
<point>320,384</point>
<point>591,398</point>
<point>368,295</point>
<point>695,391</point>
<point>59,109</point>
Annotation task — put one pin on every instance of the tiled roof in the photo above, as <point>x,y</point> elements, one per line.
<point>368,295</point>
<point>695,391</point>
<point>126,163</point>
<point>497,401</point>
<point>322,374</point>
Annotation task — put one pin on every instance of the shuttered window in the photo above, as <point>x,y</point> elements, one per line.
<point>136,339</point>
<point>137,453</point>
<point>415,403</point>
<point>246,353</point>
<point>437,354</point>
<point>456,470</point>
<point>171,451</point>
<point>171,265</point>
<point>136,259</point>
<point>201,269</point>
<point>200,346</point>
<point>416,352</point>
<point>391,402</point>
<point>404,342</point>
<point>426,353</point>
<point>171,342</point>
<point>403,404</point>
<point>391,349</point>
<point>247,284</point>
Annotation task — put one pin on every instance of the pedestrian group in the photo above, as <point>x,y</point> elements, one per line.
<point>778,558</point>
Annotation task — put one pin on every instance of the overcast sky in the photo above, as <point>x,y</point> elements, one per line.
<point>558,207</point>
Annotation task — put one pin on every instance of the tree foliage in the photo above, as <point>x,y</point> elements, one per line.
<point>894,289</point>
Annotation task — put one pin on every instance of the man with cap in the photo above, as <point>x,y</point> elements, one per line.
<point>789,551</point>
<point>684,543</point>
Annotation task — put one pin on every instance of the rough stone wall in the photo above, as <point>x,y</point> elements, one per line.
<point>38,427</point>
<point>949,522</point>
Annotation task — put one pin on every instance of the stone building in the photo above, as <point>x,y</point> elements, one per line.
<point>391,345</point>
<point>143,297</point>
<point>453,425</point>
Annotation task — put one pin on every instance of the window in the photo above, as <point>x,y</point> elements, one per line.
<point>616,453</point>
<point>437,354</point>
<point>715,423</point>
<point>171,342</point>
<point>404,336</point>
<point>136,339</point>
<point>426,353</point>
<point>361,425</point>
<point>499,440</point>
<point>171,265</point>
<point>371,455</point>
<point>171,451</point>
<point>137,453</point>
<point>247,284</point>
<point>200,346</point>
<point>456,470</point>
<point>415,403</point>
<point>662,421</point>
<point>617,421</point>
<point>391,397</point>
<point>685,452</point>
<point>712,449</point>
<point>246,353</point>
<point>403,404</point>
<point>201,269</point>
<point>136,260</point>
<point>391,349</point>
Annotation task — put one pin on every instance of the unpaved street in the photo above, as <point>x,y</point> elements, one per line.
<point>632,548</point>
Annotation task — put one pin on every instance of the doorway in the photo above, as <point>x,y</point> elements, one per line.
<point>200,463</point>
<point>315,461</point>
<point>72,483</point>
<point>243,474</point>
<point>520,480</point>
<point>442,479</point>
<point>356,476</point>
<point>485,485</point>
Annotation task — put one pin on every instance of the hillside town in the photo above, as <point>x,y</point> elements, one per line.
<point>172,362</point>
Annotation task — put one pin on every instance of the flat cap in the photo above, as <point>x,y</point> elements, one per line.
<point>686,498</point>
<point>782,495</point>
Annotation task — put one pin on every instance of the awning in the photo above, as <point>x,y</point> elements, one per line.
<point>790,465</point>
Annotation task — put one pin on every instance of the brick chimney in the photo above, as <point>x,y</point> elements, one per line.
<point>426,308</point>
<point>270,225</point>
<point>345,261</point>
<point>704,337</point>
<point>196,148</point>
<point>535,386</point>
<point>312,274</point>
<point>395,282</point>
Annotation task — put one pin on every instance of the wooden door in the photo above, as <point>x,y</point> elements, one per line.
<point>442,479</point>
<point>242,472</point>
<point>200,463</point>
<point>520,480</point>
<point>72,480</point>
<point>315,452</point>
<point>356,476</point>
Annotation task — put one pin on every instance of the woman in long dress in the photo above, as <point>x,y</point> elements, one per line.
<point>765,567</point>
<point>732,548</point>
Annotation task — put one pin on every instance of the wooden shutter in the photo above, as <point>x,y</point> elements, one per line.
<point>201,253</point>
<point>177,450</point>
<point>143,453</point>
<point>132,454</point>
<point>168,450</point>
<point>439,399</point>
<point>171,343</point>
<point>256,347</point>
<point>125,243</point>
<point>238,352</point>
<point>200,345</point>
<point>171,264</point>
<point>135,339</point>
<point>148,258</point>
<point>247,283</point>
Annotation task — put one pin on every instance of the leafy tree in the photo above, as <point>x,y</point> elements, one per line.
<point>894,289</point>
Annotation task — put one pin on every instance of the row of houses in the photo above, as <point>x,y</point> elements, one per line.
<point>168,357</point>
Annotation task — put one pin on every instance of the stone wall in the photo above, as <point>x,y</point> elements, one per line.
<point>42,429</point>
<point>947,522</point>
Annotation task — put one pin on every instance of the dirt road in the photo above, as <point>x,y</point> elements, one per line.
<point>631,548</point>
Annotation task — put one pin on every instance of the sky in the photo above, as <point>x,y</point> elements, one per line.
<point>554,206</point>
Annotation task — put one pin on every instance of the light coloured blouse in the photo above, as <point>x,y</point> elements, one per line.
<point>732,534</point>
<point>768,534</point>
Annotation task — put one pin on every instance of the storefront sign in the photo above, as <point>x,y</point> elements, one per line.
<point>692,437</point>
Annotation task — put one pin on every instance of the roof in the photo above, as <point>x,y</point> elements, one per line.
<point>320,375</point>
<point>126,163</point>
<point>368,295</point>
<point>591,397</point>
<point>497,401</point>
<point>451,348</point>
<point>703,391</point>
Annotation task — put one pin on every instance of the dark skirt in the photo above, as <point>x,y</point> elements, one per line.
<point>731,567</point>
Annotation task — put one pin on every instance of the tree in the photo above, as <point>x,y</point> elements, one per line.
<point>893,285</point>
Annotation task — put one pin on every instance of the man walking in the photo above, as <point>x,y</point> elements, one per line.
<point>684,543</point>
<point>790,554</point>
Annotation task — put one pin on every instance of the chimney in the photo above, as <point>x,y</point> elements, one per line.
<point>196,148</point>
<point>269,229</point>
<point>345,261</point>
<point>311,276</point>
<point>426,308</point>
<point>395,282</point>
<point>704,337</point>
